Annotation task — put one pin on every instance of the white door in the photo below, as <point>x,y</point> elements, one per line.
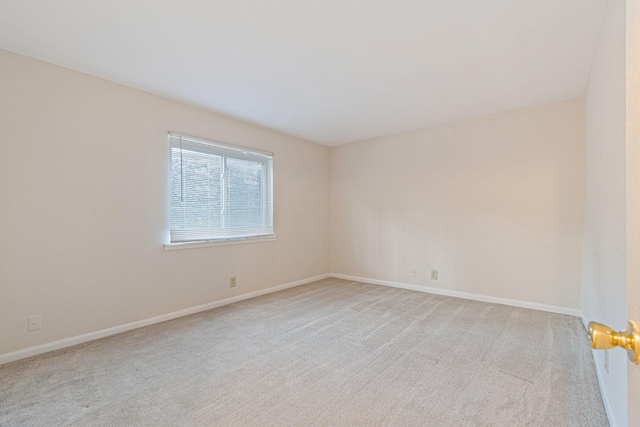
<point>631,304</point>
<point>633,195</point>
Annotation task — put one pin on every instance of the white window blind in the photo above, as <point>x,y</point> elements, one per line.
<point>218,191</point>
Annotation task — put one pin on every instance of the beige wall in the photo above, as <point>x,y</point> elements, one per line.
<point>604,250</point>
<point>494,204</point>
<point>84,207</point>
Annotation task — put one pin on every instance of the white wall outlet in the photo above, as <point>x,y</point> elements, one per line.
<point>606,361</point>
<point>232,281</point>
<point>434,274</point>
<point>414,272</point>
<point>34,323</point>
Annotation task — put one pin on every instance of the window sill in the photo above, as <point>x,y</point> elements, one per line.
<point>209,243</point>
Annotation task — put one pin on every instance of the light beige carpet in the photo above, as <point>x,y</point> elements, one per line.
<point>331,353</point>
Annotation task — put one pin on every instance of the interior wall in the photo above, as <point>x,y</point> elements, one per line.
<point>604,256</point>
<point>84,172</point>
<point>494,204</point>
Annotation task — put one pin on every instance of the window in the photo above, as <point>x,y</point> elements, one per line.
<point>218,192</point>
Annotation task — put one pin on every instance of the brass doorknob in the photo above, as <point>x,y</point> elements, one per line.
<point>603,337</point>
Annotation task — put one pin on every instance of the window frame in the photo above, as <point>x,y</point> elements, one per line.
<point>225,151</point>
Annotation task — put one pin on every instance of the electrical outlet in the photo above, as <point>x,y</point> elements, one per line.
<point>606,361</point>
<point>232,282</point>
<point>413,272</point>
<point>34,323</point>
<point>434,274</point>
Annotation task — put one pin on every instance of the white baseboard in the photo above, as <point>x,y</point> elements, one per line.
<point>504,301</point>
<point>605,396</point>
<point>68,342</point>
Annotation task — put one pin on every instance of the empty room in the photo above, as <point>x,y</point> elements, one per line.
<point>286,213</point>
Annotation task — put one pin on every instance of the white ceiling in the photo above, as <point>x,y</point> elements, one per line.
<point>329,71</point>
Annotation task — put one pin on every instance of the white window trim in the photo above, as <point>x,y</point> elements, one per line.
<point>221,242</point>
<point>241,152</point>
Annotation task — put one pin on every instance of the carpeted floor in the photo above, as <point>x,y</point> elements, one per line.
<point>330,353</point>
